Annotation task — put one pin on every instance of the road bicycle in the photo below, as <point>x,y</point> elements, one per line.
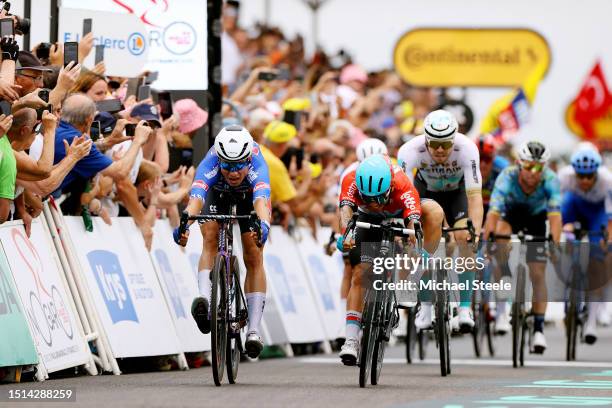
<point>228,311</point>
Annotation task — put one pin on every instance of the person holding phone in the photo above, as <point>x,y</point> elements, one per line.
<point>156,148</point>
<point>29,75</point>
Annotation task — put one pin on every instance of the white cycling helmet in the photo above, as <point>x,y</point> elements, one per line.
<point>440,125</point>
<point>533,152</point>
<point>369,147</point>
<point>233,144</point>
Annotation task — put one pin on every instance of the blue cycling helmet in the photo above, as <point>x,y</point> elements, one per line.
<point>586,161</point>
<point>373,176</point>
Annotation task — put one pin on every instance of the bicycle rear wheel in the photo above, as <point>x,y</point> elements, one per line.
<point>518,305</point>
<point>234,341</point>
<point>369,322</point>
<point>218,332</point>
<point>479,331</point>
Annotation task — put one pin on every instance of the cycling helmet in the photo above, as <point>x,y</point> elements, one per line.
<point>586,161</point>
<point>533,152</point>
<point>233,144</point>
<point>440,125</point>
<point>370,147</point>
<point>486,145</point>
<point>373,176</point>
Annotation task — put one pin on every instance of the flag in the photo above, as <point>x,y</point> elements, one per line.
<point>593,100</point>
<point>508,113</point>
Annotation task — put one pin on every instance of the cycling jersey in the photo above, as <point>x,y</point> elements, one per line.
<point>403,200</point>
<point>601,192</point>
<point>507,194</point>
<point>463,164</point>
<point>499,164</point>
<point>208,175</point>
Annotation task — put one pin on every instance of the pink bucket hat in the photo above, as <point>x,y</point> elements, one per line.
<point>353,72</point>
<point>191,116</point>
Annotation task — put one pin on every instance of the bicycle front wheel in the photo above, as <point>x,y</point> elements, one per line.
<point>518,316</point>
<point>218,332</point>
<point>411,335</point>
<point>384,328</point>
<point>442,327</point>
<point>234,340</point>
<point>369,323</point>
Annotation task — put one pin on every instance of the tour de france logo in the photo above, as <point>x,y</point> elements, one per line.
<point>45,307</point>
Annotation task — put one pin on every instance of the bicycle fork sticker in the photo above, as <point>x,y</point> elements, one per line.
<point>45,306</point>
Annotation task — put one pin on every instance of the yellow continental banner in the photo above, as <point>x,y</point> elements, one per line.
<point>469,57</point>
<point>602,127</point>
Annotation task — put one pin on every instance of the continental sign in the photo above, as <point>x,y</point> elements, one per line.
<point>602,127</point>
<point>469,57</point>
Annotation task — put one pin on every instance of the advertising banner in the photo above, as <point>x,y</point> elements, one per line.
<point>180,286</point>
<point>124,288</point>
<point>45,300</point>
<point>174,36</point>
<point>16,344</point>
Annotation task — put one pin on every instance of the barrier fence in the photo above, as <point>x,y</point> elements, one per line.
<point>72,298</point>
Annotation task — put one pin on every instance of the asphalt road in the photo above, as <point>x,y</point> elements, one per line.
<point>321,381</point>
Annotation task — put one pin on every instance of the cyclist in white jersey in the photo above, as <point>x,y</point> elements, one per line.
<point>447,167</point>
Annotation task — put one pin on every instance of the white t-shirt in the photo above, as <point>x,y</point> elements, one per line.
<point>462,164</point>
<point>601,190</point>
<point>107,202</point>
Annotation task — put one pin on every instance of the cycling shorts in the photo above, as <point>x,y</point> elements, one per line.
<point>591,216</point>
<point>453,202</point>
<point>218,203</point>
<point>531,224</point>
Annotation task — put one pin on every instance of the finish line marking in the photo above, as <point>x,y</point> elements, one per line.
<point>469,362</point>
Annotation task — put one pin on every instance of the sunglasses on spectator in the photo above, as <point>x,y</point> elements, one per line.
<point>38,78</point>
<point>532,167</point>
<point>436,145</point>
<point>233,167</point>
<point>379,199</point>
<point>590,176</point>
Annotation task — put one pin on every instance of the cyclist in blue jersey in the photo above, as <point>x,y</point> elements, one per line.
<point>234,169</point>
<point>523,199</point>
<point>587,200</point>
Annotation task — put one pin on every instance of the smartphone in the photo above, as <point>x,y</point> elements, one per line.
<point>132,88</point>
<point>109,105</point>
<point>44,95</point>
<point>164,99</point>
<point>130,129</point>
<point>86,26</point>
<point>7,28</point>
<point>71,52</point>
<point>293,117</point>
<point>99,53</point>
<point>95,130</point>
<point>39,111</point>
<point>7,6</point>
<point>144,92</point>
<point>42,52</point>
<point>267,76</point>
<point>5,107</point>
<point>151,77</point>
<point>284,74</point>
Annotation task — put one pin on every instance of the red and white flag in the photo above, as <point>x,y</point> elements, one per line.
<point>593,101</point>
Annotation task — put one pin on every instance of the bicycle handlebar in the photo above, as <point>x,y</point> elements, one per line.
<point>469,228</point>
<point>185,218</point>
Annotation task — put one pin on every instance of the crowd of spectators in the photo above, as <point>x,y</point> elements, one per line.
<point>307,113</point>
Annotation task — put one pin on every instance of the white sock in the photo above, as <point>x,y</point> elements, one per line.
<point>593,309</point>
<point>426,308</point>
<point>204,284</point>
<point>500,307</point>
<point>255,305</point>
<point>353,324</point>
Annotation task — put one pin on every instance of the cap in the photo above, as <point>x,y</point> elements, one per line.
<point>107,122</point>
<point>279,132</point>
<point>146,112</point>
<point>353,72</point>
<point>27,60</point>
<point>191,116</point>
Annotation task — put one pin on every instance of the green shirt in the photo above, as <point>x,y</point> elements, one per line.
<point>8,169</point>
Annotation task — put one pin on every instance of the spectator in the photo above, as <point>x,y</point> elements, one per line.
<point>8,169</point>
<point>29,73</point>
<point>91,84</point>
<point>156,149</point>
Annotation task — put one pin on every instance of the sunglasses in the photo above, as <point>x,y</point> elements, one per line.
<point>586,176</point>
<point>533,167</point>
<point>436,145</point>
<point>379,199</point>
<point>233,167</point>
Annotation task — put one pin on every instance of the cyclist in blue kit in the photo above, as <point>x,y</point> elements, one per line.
<point>525,196</point>
<point>234,169</point>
